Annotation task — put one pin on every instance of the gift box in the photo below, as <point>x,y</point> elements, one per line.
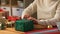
<point>4,13</point>
<point>2,26</point>
<point>44,31</point>
<point>13,18</point>
<point>2,23</point>
<point>24,25</point>
<point>1,13</point>
<point>1,9</point>
<point>38,26</point>
<point>9,24</point>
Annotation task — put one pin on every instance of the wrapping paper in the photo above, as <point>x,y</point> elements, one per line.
<point>44,31</point>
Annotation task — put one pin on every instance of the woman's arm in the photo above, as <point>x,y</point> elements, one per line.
<point>32,8</point>
<point>52,21</point>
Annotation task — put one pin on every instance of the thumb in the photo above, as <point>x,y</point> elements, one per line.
<point>22,17</point>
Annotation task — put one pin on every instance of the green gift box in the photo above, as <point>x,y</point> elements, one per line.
<point>2,26</point>
<point>24,25</point>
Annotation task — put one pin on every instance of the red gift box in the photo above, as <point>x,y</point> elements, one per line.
<point>58,32</point>
<point>44,31</point>
<point>13,18</point>
<point>1,9</point>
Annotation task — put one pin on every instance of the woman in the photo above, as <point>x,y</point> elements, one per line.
<point>48,11</point>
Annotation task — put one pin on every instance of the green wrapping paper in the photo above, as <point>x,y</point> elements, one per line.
<point>2,26</point>
<point>2,23</point>
<point>24,25</point>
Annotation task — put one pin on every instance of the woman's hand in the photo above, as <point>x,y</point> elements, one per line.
<point>26,16</point>
<point>34,20</point>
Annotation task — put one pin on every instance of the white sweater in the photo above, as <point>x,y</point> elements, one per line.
<point>47,10</point>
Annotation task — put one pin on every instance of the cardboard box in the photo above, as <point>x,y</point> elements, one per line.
<point>38,26</point>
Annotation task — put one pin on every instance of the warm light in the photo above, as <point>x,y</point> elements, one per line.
<point>49,26</point>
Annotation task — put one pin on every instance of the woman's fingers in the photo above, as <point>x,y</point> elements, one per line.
<point>52,22</point>
<point>26,16</point>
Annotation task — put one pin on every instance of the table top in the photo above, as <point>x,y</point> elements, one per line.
<point>46,31</point>
<point>10,31</point>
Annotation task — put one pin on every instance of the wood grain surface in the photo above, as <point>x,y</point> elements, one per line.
<point>10,31</point>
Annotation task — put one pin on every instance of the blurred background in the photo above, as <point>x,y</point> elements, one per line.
<point>15,7</point>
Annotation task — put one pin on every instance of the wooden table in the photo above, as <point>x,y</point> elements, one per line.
<point>13,31</point>
<point>10,31</point>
